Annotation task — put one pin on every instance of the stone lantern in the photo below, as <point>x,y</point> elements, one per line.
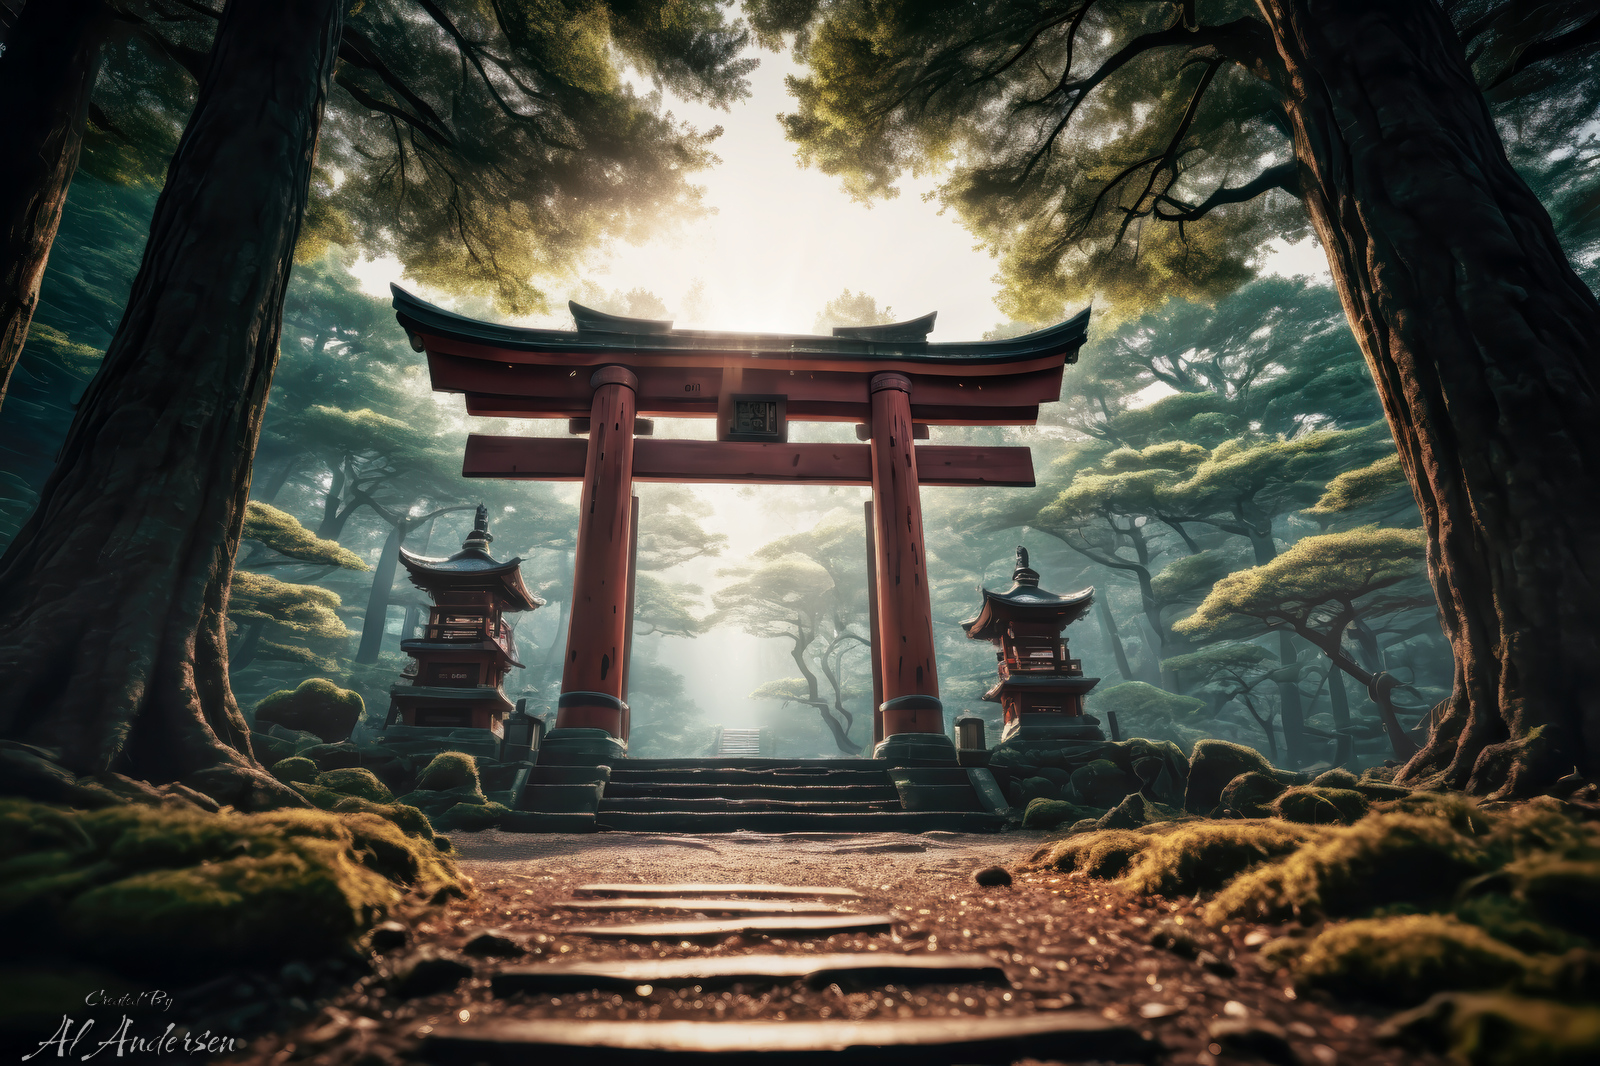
<point>1041,688</point>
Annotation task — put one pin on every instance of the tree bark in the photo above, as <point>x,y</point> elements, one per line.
<point>47,71</point>
<point>377,618</point>
<point>1108,626</point>
<point>1482,341</point>
<point>113,596</point>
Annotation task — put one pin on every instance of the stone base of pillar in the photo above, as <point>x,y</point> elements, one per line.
<point>916,749</point>
<point>1065,728</point>
<point>912,714</point>
<point>581,747</point>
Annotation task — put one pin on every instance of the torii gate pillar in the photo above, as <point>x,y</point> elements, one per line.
<point>592,695</point>
<point>911,717</point>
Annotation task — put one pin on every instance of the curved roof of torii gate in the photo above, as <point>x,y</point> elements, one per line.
<point>513,371</point>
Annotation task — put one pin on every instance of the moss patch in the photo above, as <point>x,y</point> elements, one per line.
<point>295,770</point>
<point>1383,859</point>
<point>356,782</point>
<point>1500,1030</point>
<point>1050,813</point>
<point>448,770</point>
<point>1407,959</point>
<point>316,706</point>
<point>142,888</point>
<point>1318,805</point>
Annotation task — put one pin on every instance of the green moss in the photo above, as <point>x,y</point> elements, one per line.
<point>170,888</point>
<point>1251,794</point>
<point>316,706</point>
<point>324,799</point>
<point>1314,805</point>
<point>1104,854</point>
<point>434,804</point>
<point>356,782</point>
<point>1203,856</point>
<point>1495,1029</point>
<point>295,770</point>
<point>448,770</point>
<point>1049,813</point>
<point>1405,960</point>
<point>1338,777</point>
<point>472,817</point>
<point>1213,765</point>
<point>1101,783</point>
<point>1382,859</point>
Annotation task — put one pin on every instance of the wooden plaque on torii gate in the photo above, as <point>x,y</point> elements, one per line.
<point>611,372</point>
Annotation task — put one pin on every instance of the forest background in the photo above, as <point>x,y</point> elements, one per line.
<point>1218,463</point>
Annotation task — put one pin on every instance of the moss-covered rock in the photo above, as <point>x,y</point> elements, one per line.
<point>449,770</point>
<point>316,706</point>
<point>1135,811</point>
<point>1049,813</point>
<point>1102,783</point>
<point>1338,777</point>
<point>472,817</point>
<point>171,889</point>
<point>356,782</point>
<point>1496,1029</point>
<point>1313,805</point>
<point>295,770</point>
<point>434,803</point>
<point>1036,788</point>
<point>1202,856</point>
<point>323,799</point>
<point>1405,960</point>
<point>1104,854</point>
<point>1382,859</point>
<point>1214,764</point>
<point>1250,795</point>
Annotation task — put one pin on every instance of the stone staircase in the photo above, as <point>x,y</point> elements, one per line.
<point>738,744</point>
<point>1061,1036</point>
<point>725,794</point>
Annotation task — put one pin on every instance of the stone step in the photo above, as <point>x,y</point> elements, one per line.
<point>804,926</point>
<point>802,822</point>
<point>728,763</point>
<point>703,906</point>
<point>694,888</point>
<point>1076,1036</point>
<point>621,789</point>
<point>692,804</point>
<point>748,776</point>
<point>854,971</point>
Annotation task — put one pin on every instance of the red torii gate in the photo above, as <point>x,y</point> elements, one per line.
<point>610,371</point>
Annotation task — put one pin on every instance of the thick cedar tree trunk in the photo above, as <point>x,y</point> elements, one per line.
<point>1483,343</point>
<point>113,596</point>
<point>46,73</point>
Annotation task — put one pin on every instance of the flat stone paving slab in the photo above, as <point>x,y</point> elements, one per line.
<point>818,971</point>
<point>1065,1037</point>
<point>822,926</point>
<point>705,906</point>
<point>639,891</point>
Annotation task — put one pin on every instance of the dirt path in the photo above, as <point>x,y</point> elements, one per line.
<point>1067,944</point>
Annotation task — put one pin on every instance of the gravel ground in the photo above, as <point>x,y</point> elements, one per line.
<point>1067,944</point>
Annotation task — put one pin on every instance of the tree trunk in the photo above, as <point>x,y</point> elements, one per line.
<point>1108,625</point>
<point>47,70</point>
<point>1291,715</point>
<point>378,598</point>
<point>1482,341</point>
<point>113,596</point>
<point>246,652</point>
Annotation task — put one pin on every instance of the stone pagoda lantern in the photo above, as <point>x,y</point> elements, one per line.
<point>1041,689</point>
<point>467,647</point>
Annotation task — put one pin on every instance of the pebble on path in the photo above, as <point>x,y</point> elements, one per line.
<point>991,876</point>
